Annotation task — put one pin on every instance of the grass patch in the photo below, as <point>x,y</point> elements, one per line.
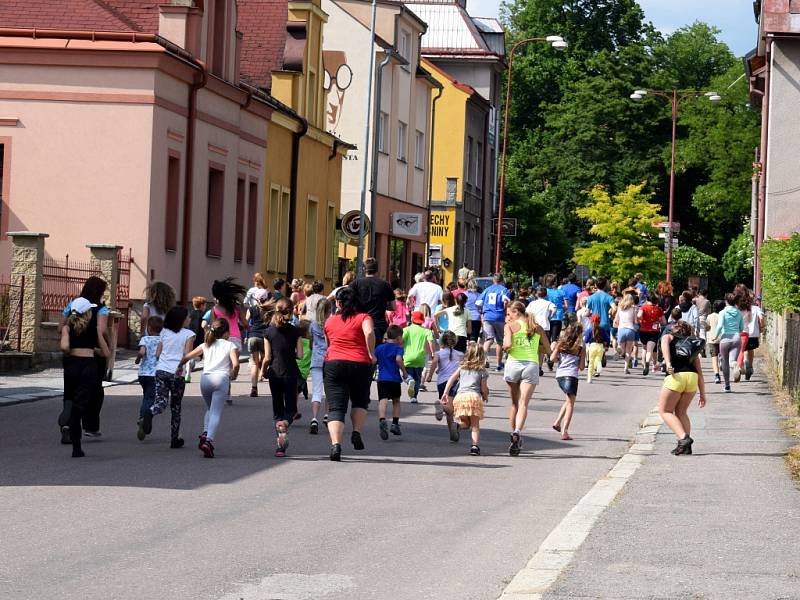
<point>789,406</point>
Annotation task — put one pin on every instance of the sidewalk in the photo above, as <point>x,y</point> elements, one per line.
<point>723,523</point>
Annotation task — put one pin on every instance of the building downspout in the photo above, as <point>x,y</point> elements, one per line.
<point>440,89</point>
<point>762,184</point>
<point>188,195</point>
<point>293,198</point>
<point>479,267</point>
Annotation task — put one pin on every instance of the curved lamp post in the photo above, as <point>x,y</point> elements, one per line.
<point>557,42</point>
<point>674,97</point>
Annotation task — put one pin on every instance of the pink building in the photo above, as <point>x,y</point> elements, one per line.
<point>125,122</point>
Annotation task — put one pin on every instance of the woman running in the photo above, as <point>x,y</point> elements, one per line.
<point>473,392</point>
<point>684,377</point>
<point>626,321</point>
<point>227,297</point>
<point>571,357</point>
<point>348,369</point>
<point>220,367</point>
<point>522,338</point>
<point>729,327</point>
<point>651,320</point>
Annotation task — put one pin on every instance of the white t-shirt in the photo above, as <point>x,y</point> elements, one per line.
<point>457,323</point>
<point>425,292</point>
<point>627,317</point>
<point>753,328</point>
<point>541,309</point>
<point>172,348</point>
<point>217,357</point>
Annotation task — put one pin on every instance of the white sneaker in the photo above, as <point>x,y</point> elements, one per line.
<point>737,372</point>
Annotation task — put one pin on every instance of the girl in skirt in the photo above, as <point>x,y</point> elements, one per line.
<point>570,355</point>
<point>473,393</point>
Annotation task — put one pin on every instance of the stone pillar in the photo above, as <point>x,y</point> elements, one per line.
<point>105,260</point>
<point>26,261</point>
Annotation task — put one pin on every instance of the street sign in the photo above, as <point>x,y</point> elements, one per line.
<point>674,244</point>
<point>676,226</point>
<point>509,226</point>
<point>351,224</point>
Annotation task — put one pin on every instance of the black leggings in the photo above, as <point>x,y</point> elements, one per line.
<point>284,398</point>
<point>80,384</point>
<point>475,331</point>
<point>555,331</point>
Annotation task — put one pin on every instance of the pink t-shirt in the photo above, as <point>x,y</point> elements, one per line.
<point>398,316</point>
<point>233,321</point>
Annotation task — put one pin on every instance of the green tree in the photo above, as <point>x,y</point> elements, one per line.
<point>625,240</point>
<point>737,263</point>
<point>780,262</point>
<point>688,261</point>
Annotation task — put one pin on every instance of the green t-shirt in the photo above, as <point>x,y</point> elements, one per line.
<point>304,364</point>
<point>414,341</point>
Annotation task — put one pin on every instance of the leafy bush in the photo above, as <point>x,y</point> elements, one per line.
<point>688,261</point>
<point>780,273</point>
<point>738,259</point>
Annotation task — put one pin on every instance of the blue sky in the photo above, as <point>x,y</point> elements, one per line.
<point>733,17</point>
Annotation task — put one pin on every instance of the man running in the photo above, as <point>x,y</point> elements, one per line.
<point>375,297</point>
<point>492,304</point>
<point>425,292</point>
<point>600,303</point>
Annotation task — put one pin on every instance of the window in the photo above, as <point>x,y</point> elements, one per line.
<point>419,150</point>
<point>383,133</point>
<point>283,249</point>
<point>469,158</point>
<point>252,223</point>
<point>452,189</point>
<point>273,228</point>
<point>404,45</point>
<point>171,214</point>
<point>402,142</point>
<point>218,48</point>
<point>238,235</point>
<point>330,241</point>
<point>216,198</point>
<point>479,166</point>
<point>311,236</point>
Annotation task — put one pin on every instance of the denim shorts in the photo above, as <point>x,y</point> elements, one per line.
<point>568,385</point>
<point>626,335</point>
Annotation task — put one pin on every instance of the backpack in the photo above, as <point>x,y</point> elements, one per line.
<point>689,347</point>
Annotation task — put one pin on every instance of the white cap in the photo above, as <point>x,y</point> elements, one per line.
<point>81,305</point>
<point>260,294</point>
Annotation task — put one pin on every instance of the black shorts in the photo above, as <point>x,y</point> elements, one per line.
<point>461,344</point>
<point>346,381</point>
<point>453,390</point>
<point>389,390</point>
<point>752,343</point>
<point>649,336</point>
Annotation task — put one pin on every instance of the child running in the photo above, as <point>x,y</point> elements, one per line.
<point>304,363</point>
<point>446,362</point>
<point>220,367</point>
<point>597,340</point>
<point>473,393</point>
<point>282,348</point>
<point>176,342</point>
<point>147,360</point>
<point>571,357</point>
<point>418,346</point>
<point>319,346</point>
<point>391,373</point>
<point>713,341</point>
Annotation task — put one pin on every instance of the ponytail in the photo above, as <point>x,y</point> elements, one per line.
<point>78,322</point>
<point>282,314</point>
<point>597,335</point>
<point>461,301</point>
<point>216,331</point>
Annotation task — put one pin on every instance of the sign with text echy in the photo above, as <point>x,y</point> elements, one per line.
<point>443,226</point>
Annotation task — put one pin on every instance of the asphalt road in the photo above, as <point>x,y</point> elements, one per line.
<point>411,518</point>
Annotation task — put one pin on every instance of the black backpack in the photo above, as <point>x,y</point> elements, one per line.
<point>688,348</point>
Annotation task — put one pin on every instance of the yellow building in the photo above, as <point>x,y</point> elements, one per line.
<point>460,184</point>
<point>282,55</point>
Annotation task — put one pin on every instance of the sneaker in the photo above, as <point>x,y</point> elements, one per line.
<point>727,388</point>
<point>147,422</point>
<point>202,438</point>
<point>188,377</point>
<point>549,364</point>
<point>140,434</point>
<point>93,434</point>
<point>65,437</point>
<point>395,429</point>
<point>422,388</point>
<point>355,439</point>
<point>176,443</point>
<point>541,372</point>
<point>313,429</point>
<point>439,410</point>
<point>635,363</point>
<point>717,378</point>
<point>280,452</point>
<point>229,401</point>
<point>325,420</point>
<point>336,452</point>
<point>414,400</point>
<point>737,373</point>
<point>513,449</point>
<point>207,448</point>
<point>499,367</point>
<point>603,361</point>
<point>475,450</point>
<point>411,389</point>
<point>282,428</point>
<point>254,392</point>
<point>383,428</point>
<point>78,453</point>
<point>748,371</point>
<point>684,446</point>
<point>646,369</point>
<point>66,413</point>
<point>455,435</point>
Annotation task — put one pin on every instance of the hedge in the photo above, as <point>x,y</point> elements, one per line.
<point>780,273</point>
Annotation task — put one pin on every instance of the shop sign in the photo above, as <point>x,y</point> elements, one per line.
<point>443,223</point>
<point>351,224</point>
<point>407,223</point>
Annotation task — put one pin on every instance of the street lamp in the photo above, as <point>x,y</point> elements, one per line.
<point>674,97</point>
<point>557,42</point>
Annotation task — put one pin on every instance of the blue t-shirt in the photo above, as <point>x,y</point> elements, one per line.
<point>102,310</point>
<point>492,302</point>
<point>571,293</point>
<point>147,368</point>
<point>557,297</point>
<point>388,369</point>
<point>600,303</point>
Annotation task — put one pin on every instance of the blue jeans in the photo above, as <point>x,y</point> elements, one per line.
<point>416,374</point>
<point>148,383</point>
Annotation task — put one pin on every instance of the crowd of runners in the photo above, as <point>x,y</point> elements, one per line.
<point>330,345</point>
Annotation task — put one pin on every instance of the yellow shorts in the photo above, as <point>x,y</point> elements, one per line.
<point>681,382</point>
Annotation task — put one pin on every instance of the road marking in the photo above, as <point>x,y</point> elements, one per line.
<point>559,547</point>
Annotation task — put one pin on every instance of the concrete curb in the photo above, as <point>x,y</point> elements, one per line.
<point>559,547</point>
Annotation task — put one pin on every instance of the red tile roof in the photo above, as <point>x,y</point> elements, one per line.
<point>263,23</point>
<point>139,16</point>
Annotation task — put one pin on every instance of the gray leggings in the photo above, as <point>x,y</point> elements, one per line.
<point>728,354</point>
<point>215,388</point>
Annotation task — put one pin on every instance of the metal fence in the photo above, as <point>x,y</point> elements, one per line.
<point>11,299</point>
<point>62,281</point>
<point>783,339</point>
